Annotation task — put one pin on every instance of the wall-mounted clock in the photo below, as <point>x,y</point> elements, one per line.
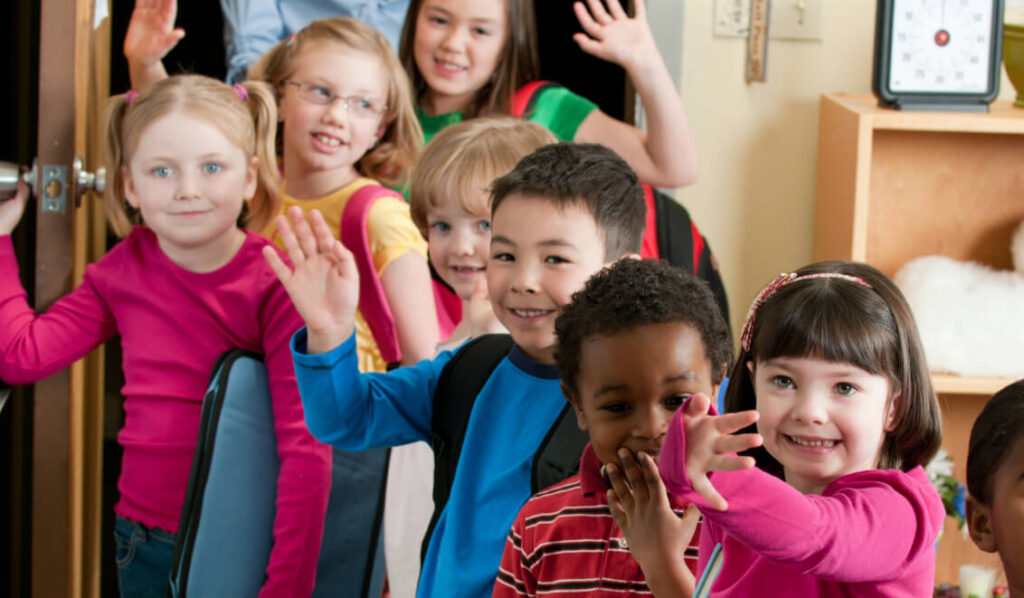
<point>938,54</point>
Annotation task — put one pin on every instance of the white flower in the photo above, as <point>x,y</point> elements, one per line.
<point>940,465</point>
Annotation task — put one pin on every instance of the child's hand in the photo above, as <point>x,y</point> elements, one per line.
<point>324,284</point>
<point>481,314</point>
<point>657,538</point>
<point>151,35</point>
<point>613,36</point>
<point>710,444</point>
<point>12,209</point>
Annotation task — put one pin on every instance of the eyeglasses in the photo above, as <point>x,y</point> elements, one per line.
<point>358,106</point>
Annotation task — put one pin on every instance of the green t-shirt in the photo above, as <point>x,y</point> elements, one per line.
<point>557,109</point>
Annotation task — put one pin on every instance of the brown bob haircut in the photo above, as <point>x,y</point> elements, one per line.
<point>842,321</point>
<point>519,62</point>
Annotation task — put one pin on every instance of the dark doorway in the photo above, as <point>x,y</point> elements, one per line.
<point>562,60</point>
<point>19,46</point>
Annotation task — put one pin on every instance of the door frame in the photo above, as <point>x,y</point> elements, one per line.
<point>67,411</point>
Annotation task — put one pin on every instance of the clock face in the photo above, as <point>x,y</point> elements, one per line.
<point>940,46</point>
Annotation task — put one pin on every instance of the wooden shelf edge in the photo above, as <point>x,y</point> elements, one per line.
<point>967,385</point>
<point>1002,118</point>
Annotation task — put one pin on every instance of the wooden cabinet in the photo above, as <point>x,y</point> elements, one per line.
<point>893,186</point>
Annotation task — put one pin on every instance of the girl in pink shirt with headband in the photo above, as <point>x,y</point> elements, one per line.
<point>831,397</point>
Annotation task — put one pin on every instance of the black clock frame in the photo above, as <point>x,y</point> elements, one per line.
<point>960,101</point>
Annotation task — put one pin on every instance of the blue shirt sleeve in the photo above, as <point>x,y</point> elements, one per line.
<point>251,27</point>
<point>355,411</point>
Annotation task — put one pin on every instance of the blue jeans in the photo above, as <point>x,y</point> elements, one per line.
<point>143,559</point>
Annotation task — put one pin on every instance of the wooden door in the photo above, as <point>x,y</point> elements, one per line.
<point>67,407</point>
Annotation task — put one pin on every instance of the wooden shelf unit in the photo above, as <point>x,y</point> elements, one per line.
<point>893,186</point>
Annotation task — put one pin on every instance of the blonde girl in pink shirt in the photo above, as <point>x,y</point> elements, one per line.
<point>192,170</point>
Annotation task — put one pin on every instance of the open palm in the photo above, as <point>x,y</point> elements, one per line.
<point>151,33</point>
<point>323,281</point>
<point>612,35</point>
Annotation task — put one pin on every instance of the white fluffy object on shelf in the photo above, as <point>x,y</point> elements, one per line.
<point>970,316</point>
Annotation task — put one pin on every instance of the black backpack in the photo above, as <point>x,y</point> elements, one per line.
<point>461,380</point>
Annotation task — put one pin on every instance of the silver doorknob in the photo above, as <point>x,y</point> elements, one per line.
<point>10,173</point>
<point>87,181</point>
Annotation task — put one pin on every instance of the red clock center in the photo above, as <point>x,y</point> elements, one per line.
<point>941,37</point>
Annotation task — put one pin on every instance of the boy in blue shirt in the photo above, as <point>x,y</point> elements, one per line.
<point>562,214</point>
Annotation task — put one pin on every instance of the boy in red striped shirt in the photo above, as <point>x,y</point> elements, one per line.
<point>638,340</point>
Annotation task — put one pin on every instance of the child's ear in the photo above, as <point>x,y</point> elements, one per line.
<point>251,178</point>
<point>890,416</point>
<point>581,420</point>
<point>979,524</point>
<point>129,188</point>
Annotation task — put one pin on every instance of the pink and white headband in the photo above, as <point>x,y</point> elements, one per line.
<point>747,333</point>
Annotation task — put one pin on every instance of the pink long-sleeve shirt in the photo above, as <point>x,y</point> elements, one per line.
<point>869,534</point>
<point>173,324</point>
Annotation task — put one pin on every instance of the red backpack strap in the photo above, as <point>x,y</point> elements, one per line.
<point>526,96</point>
<point>649,247</point>
<point>372,302</point>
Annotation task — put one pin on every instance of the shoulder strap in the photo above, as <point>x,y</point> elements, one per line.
<point>460,382</point>
<point>681,244</point>
<point>559,455</point>
<point>372,302</point>
<point>525,98</point>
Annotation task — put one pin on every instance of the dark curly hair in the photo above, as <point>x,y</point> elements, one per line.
<point>588,175</point>
<point>632,293</point>
<point>998,428</point>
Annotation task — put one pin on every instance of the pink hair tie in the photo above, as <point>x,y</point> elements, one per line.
<point>786,278</point>
<point>130,96</point>
<point>241,92</point>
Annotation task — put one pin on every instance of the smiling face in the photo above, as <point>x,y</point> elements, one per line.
<point>820,419</point>
<point>630,383</point>
<point>190,182</point>
<point>540,255</point>
<point>456,48</point>
<point>459,245</point>
<point>323,142</point>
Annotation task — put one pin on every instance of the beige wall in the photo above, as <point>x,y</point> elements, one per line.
<point>757,143</point>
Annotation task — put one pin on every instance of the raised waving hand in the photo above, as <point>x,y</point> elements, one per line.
<point>322,281</point>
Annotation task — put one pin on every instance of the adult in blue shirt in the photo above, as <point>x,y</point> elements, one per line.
<point>251,27</point>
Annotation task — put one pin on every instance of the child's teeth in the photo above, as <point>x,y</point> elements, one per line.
<point>824,443</point>
<point>529,313</point>
<point>328,140</point>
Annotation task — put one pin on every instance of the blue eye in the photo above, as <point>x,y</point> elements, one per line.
<point>484,225</point>
<point>321,91</point>
<point>782,381</point>
<point>212,168</point>
<point>364,103</point>
<point>161,171</point>
<point>441,226</point>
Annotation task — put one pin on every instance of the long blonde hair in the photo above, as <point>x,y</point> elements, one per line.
<point>249,123</point>
<point>390,160</point>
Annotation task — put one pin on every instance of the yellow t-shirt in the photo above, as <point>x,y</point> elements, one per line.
<point>391,234</point>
